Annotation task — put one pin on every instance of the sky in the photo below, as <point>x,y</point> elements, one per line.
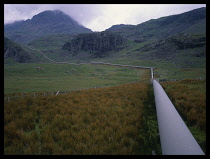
<point>99,17</point>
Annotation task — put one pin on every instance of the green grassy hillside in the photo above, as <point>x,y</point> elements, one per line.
<point>50,42</point>
<point>156,29</point>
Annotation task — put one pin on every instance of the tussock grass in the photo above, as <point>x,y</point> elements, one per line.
<point>96,121</point>
<point>189,98</point>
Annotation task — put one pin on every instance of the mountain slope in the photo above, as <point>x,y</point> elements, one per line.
<point>164,27</point>
<point>42,24</point>
<point>50,42</point>
<point>14,52</point>
<point>119,26</point>
<point>177,39</point>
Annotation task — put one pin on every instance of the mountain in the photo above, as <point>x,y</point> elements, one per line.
<point>14,52</point>
<point>164,27</point>
<point>118,26</point>
<point>45,23</point>
<point>177,39</point>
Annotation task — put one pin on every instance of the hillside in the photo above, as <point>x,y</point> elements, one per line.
<point>45,23</point>
<point>119,26</point>
<point>178,40</point>
<point>50,42</point>
<point>14,52</point>
<point>164,27</point>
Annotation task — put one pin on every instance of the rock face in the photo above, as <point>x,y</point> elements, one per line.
<point>45,23</point>
<point>95,43</point>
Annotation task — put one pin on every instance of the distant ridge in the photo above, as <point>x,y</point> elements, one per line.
<point>118,26</point>
<point>166,26</point>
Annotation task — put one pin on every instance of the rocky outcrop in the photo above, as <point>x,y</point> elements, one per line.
<point>95,43</point>
<point>186,42</point>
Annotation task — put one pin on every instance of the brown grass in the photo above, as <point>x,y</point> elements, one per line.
<point>189,97</point>
<point>96,121</point>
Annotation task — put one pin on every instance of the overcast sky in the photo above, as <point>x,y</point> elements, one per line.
<point>99,17</point>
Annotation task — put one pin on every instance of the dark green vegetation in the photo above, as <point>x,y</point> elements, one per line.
<point>189,98</point>
<point>107,121</point>
<point>14,52</point>
<point>54,77</point>
<point>42,24</point>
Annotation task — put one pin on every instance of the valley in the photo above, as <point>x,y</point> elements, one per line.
<point>106,109</point>
<point>53,77</point>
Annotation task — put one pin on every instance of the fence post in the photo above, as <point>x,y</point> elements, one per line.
<point>34,94</point>
<point>151,72</point>
<point>8,99</point>
<point>57,93</point>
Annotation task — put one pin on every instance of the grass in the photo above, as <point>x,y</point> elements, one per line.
<point>189,98</point>
<point>50,42</point>
<point>107,121</point>
<point>107,101</point>
<point>54,77</point>
<point>166,70</point>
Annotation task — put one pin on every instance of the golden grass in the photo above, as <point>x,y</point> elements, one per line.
<point>189,98</point>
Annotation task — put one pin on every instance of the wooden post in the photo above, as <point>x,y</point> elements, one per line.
<point>34,95</point>
<point>8,99</point>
